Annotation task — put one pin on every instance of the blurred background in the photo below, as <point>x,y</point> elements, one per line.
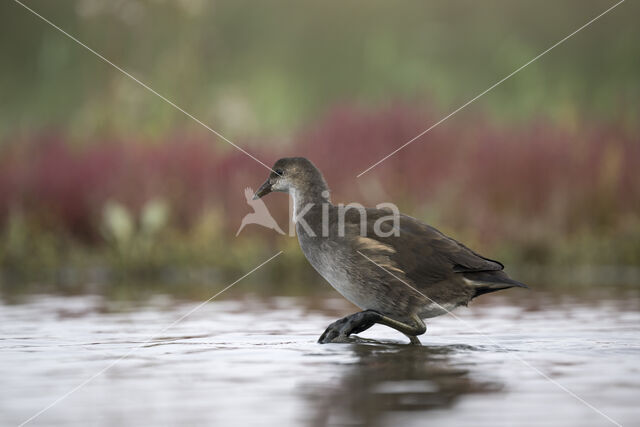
<point>105,188</point>
<point>118,213</point>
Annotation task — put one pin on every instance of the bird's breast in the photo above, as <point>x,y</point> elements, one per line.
<point>337,269</point>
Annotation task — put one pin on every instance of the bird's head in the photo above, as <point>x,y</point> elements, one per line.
<point>292,174</point>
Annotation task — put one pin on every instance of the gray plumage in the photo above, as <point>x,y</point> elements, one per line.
<point>417,274</point>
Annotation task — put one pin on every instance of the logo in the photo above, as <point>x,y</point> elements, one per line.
<point>383,226</point>
<point>260,214</point>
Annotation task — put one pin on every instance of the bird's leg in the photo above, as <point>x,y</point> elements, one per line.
<point>411,330</point>
<point>340,330</point>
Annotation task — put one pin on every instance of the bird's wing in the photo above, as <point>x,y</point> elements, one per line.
<point>422,253</point>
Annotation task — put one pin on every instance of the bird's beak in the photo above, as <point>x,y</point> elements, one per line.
<point>263,190</point>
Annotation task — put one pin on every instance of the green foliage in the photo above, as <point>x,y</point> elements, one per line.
<point>253,69</point>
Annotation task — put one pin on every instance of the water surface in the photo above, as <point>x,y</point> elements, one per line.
<point>255,361</point>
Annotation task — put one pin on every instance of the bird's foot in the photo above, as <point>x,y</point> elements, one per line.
<point>339,331</point>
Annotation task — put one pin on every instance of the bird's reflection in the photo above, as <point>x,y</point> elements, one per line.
<point>390,378</point>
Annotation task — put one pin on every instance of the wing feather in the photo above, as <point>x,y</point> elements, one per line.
<point>424,254</point>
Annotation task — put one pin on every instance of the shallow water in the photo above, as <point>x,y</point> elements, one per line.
<point>255,362</point>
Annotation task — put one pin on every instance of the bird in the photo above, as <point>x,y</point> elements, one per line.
<point>395,268</point>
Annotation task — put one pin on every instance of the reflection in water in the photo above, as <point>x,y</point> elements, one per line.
<point>393,378</point>
<point>256,362</point>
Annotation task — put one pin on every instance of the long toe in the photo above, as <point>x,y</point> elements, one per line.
<point>340,330</point>
<point>335,331</point>
<point>328,336</point>
<point>331,333</point>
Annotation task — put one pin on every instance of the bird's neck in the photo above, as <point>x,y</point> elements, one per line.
<point>315,195</point>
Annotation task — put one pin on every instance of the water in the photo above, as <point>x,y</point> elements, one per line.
<point>254,361</point>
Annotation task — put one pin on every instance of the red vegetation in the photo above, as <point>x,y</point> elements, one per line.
<point>475,174</point>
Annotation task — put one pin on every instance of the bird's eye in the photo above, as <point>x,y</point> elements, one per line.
<point>279,172</point>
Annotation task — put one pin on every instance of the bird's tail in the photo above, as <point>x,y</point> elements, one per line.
<point>484,282</point>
